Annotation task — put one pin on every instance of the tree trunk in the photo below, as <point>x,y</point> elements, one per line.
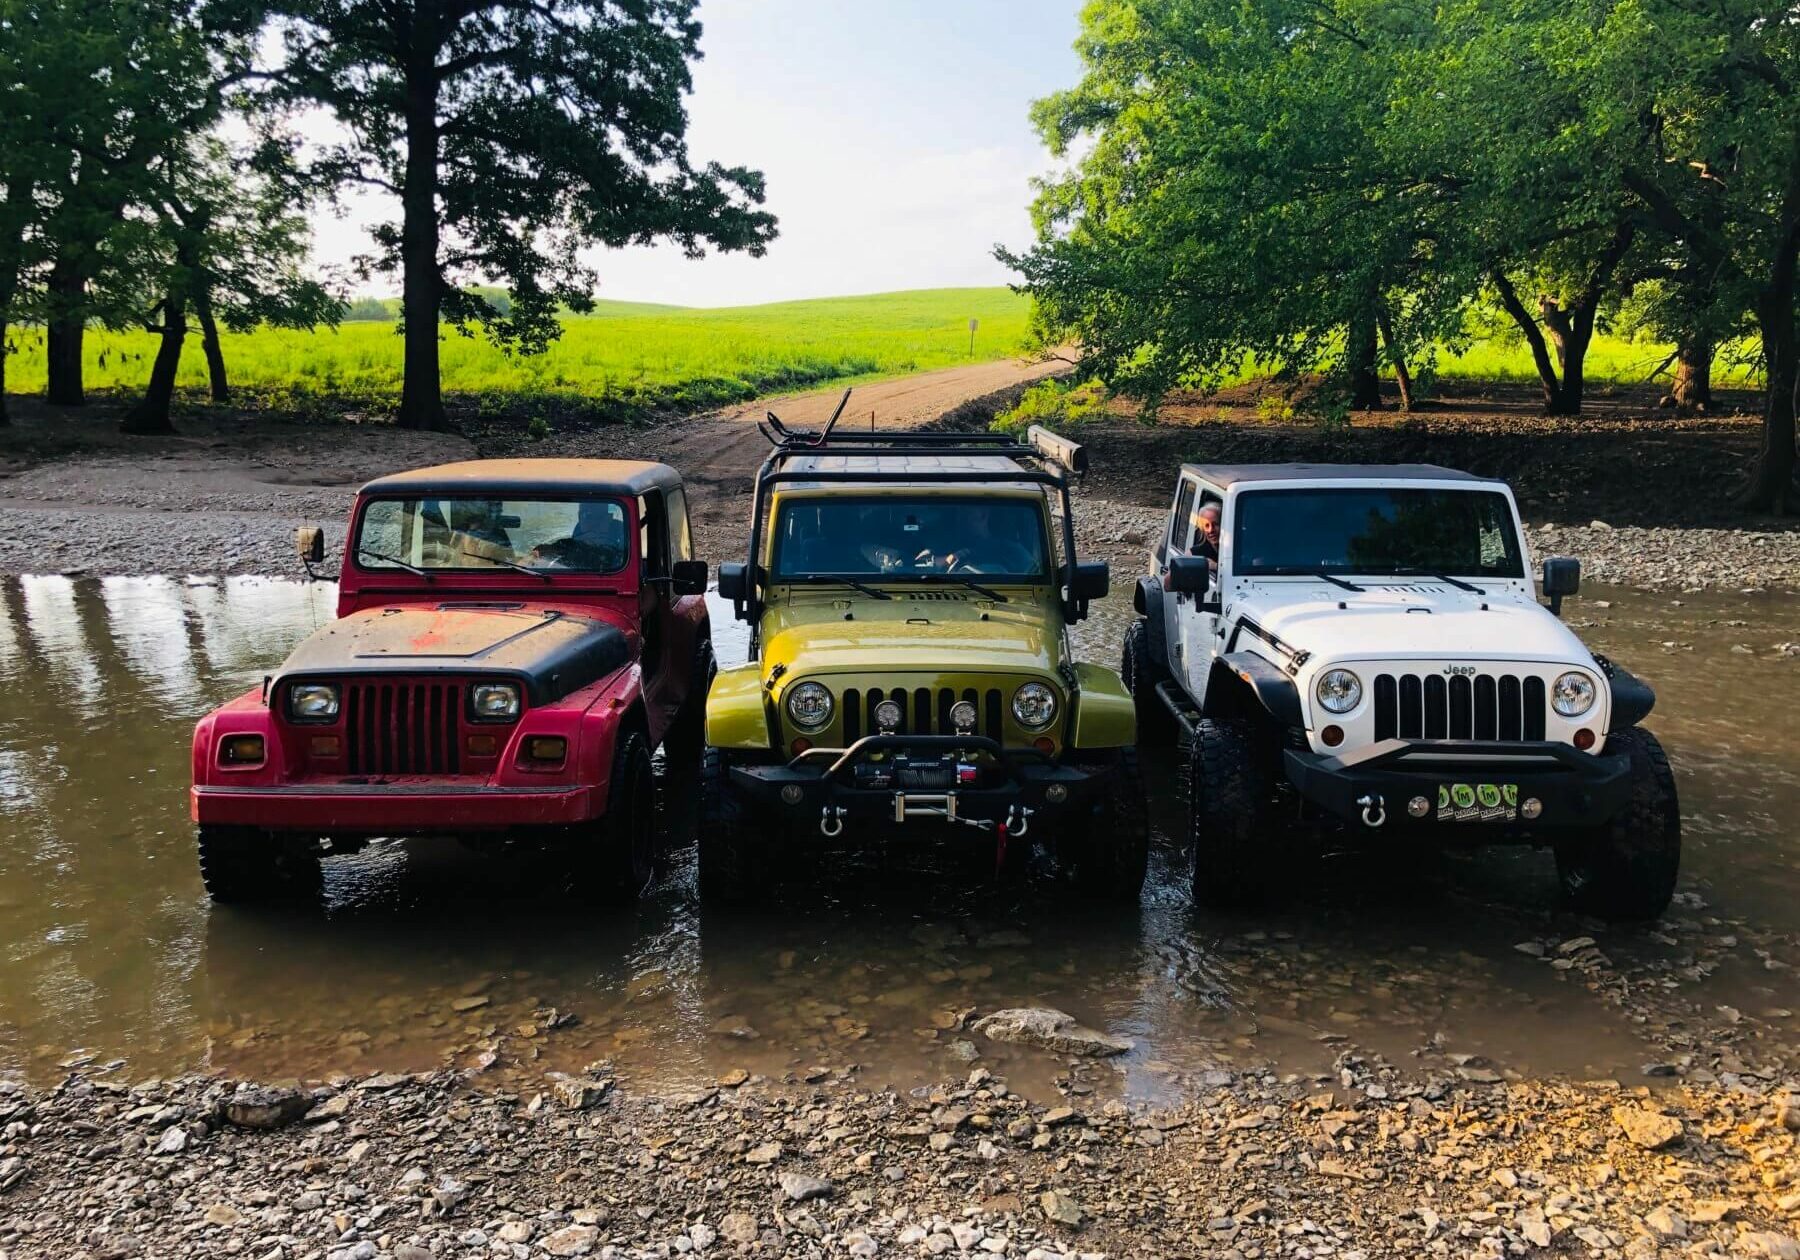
<point>151,415</point>
<point>1365,372</point>
<point>209,342</point>
<point>1534,337</point>
<point>1693,373</point>
<point>63,335</point>
<point>1771,487</point>
<point>1402,376</point>
<point>421,395</point>
<point>1571,331</point>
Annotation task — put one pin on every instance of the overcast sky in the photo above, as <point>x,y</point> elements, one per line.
<point>894,135</point>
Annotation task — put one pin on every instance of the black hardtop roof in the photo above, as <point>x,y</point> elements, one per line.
<point>621,477</point>
<point>1228,475</point>
<point>908,468</point>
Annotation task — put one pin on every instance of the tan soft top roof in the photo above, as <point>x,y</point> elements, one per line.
<point>532,476</point>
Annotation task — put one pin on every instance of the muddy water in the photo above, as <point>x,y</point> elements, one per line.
<point>423,954</point>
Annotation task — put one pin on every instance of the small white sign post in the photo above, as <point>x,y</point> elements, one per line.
<point>973,325</point>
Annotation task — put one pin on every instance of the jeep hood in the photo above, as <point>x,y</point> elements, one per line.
<point>1400,624</point>
<point>812,636</point>
<point>549,651</point>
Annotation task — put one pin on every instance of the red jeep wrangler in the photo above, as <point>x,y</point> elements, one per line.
<point>513,638</point>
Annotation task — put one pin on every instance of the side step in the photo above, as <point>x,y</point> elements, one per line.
<point>1179,703</point>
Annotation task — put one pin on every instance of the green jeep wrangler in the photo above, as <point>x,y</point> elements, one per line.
<point>910,669</point>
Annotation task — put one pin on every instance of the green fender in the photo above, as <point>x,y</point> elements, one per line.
<point>735,717</point>
<point>1104,714</point>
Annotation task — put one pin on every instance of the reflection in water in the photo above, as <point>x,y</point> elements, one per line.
<point>423,954</point>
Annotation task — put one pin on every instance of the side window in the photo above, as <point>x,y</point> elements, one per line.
<point>681,536</point>
<point>1181,519</point>
<point>653,534</point>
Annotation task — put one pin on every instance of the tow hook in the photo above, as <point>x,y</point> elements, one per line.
<point>1374,810</point>
<point>831,821</point>
<point>1018,820</point>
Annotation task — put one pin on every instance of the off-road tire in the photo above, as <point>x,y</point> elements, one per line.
<point>245,865</point>
<point>735,853</point>
<point>1142,668</point>
<point>1626,869</point>
<point>686,738</point>
<point>1104,856</point>
<point>1239,844</point>
<point>613,858</point>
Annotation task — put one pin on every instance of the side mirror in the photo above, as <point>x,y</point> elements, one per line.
<point>732,581</point>
<point>309,542</point>
<point>688,577</point>
<point>1562,577</point>
<point>1092,580</point>
<point>1188,575</point>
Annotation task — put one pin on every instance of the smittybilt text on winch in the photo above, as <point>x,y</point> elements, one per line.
<point>513,638</point>
<point>1365,644</point>
<point>910,667</point>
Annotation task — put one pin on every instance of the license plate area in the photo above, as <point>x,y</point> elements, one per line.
<point>1477,802</point>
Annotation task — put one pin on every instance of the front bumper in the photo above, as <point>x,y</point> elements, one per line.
<point>1573,788</point>
<point>401,805</point>
<point>831,786</point>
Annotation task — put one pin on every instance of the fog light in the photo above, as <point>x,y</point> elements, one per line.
<point>887,717</point>
<point>1531,808</point>
<point>241,750</point>
<point>1044,744</point>
<point>325,747</point>
<point>482,746</point>
<point>1332,736</point>
<point>791,794</point>
<point>1418,807</point>
<point>1584,739</point>
<point>962,717</point>
<point>546,749</point>
<point>1056,794</point>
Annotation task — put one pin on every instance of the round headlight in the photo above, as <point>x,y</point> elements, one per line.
<point>1034,705</point>
<point>313,702</point>
<point>962,716</point>
<point>809,704</point>
<point>1573,694</point>
<point>1339,690</point>
<point>887,715</point>
<point>494,702</point>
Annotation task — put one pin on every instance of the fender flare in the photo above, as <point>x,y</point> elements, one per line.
<point>1274,691</point>
<point>1632,697</point>
<point>1147,599</point>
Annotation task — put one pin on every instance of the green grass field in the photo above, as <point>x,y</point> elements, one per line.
<point>626,352</point>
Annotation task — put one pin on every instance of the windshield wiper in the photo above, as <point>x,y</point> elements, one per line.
<point>984,591</point>
<point>396,560</point>
<point>522,568</point>
<point>1297,571</point>
<point>815,579</point>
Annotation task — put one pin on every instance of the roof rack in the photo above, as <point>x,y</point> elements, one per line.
<point>1039,442</point>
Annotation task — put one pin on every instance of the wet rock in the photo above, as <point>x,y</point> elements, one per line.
<point>734,1078</point>
<point>1050,1029</point>
<point>474,1002</point>
<point>571,1240</point>
<point>266,1107</point>
<point>1646,1128</point>
<point>1060,1209</point>
<point>800,1188</point>
<point>579,1094</point>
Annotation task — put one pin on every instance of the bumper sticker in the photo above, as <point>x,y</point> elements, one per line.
<point>1478,802</point>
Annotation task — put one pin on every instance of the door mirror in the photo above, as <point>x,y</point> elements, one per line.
<point>1562,577</point>
<point>1093,578</point>
<point>732,583</point>
<point>688,577</point>
<point>1188,575</point>
<point>309,542</point>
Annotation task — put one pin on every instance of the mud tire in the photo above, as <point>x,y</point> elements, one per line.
<point>1240,846</point>
<point>735,853</point>
<point>614,857</point>
<point>686,739</point>
<point>1626,870</point>
<point>246,865</point>
<point>1142,667</point>
<point>1104,856</point>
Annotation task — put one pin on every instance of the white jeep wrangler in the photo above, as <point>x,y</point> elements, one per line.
<point>1365,644</point>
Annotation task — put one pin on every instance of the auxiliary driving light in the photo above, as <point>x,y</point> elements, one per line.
<point>962,717</point>
<point>1531,808</point>
<point>241,750</point>
<point>791,794</point>
<point>1418,807</point>
<point>1056,793</point>
<point>887,717</point>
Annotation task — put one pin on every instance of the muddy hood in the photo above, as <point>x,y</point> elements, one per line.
<point>550,652</point>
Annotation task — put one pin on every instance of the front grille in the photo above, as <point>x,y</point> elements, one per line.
<point>402,727</point>
<point>923,711</point>
<point>1479,706</point>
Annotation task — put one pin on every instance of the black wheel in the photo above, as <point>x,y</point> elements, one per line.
<point>247,864</point>
<point>1627,868</point>
<point>736,853</point>
<point>613,859</point>
<point>1239,842</point>
<point>1142,668</point>
<point>686,739</point>
<point>1104,855</point>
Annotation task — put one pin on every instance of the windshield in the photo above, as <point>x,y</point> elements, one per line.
<point>1466,533</point>
<point>488,535</point>
<point>897,537</point>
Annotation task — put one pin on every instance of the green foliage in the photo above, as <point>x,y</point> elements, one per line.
<point>1275,408</point>
<point>371,309</point>
<point>1056,404</point>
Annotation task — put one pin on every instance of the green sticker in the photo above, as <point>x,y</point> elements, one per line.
<point>1489,794</point>
<point>1511,793</point>
<point>1443,796</point>
<point>1464,795</point>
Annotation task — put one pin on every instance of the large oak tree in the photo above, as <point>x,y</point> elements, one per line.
<point>512,133</point>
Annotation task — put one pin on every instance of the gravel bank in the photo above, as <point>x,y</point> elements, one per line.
<point>1365,1163</point>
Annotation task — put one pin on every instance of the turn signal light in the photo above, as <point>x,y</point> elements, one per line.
<point>546,750</point>
<point>1584,739</point>
<point>241,750</point>
<point>324,747</point>
<point>1331,736</point>
<point>1044,744</point>
<point>799,746</point>
<point>481,745</point>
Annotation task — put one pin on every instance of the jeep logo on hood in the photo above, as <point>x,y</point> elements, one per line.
<point>1459,669</point>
